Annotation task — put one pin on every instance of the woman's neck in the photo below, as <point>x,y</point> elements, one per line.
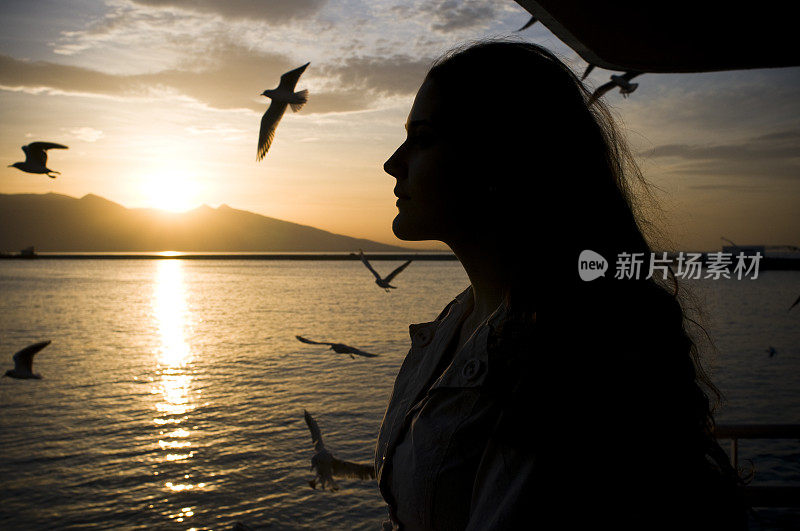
<point>488,271</point>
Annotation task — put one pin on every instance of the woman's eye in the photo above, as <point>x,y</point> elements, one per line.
<point>420,139</point>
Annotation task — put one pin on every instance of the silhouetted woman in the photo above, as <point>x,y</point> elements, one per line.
<point>537,399</point>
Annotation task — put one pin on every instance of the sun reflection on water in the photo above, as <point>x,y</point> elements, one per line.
<point>173,385</point>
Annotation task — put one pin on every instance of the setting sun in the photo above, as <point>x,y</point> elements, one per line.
<point>171,190</point>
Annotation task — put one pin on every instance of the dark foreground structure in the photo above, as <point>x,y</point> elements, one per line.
<point>671,37</point>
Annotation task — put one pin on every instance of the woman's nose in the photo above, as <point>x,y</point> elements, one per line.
<point>393,165</point>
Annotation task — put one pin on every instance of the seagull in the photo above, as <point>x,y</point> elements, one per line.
<point>795,303</point>
<point>339,348</point>
<point>327,466</point>
<point>383,282</point>
<point>528,24</point>
<point>588,71</point>
<point>771,351</point>
<point>281,97</point>
<point>23,361</point>
<point>623,82</point>
<point>36,158</point>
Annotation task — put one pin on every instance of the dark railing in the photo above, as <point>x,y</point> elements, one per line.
<point>762,496</point>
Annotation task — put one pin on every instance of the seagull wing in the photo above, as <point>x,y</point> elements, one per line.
<point>29,156</point>
<point>316,435</point>
<point>796,302</point>
<point>346,469</point>
<point>37,151</point>
<point>269,123</point>
<point>354,350</point>
<point>588,71</point>
<point>600,91</point>
<point>304,340</point>
<point>23,360</point>
<point>46,145</point>
<point>397,271</point>
<point>366,263</point>
<point>289,79</point>
<point>627,76</point>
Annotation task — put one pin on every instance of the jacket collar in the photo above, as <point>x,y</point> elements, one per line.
<point>469,365</point>
<point>449,319</point>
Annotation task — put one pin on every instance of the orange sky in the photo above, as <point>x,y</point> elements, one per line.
<point>158,101</point>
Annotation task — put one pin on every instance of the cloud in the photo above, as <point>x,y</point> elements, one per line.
<point>277,11</point>
<point>391,76</point>
<point>29,76</point>
<point>718,103</point>
<point>730,187</point>
<point>791,135</point>
<point>87,134</point>
<point>131,34</point>
<point>451,15</point>
<point>233,79</point>
<point>776,145</point>
<point>224,75</point>
<point>770,155</point>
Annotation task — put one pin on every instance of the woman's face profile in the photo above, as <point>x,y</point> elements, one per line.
<point>424,166</point>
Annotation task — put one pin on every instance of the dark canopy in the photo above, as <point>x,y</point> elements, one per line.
<point>675,36</point>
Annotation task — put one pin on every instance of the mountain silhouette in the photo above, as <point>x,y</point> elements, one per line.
<point>55,222</point>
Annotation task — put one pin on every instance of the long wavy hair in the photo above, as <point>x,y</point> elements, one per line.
<point>614,359</point>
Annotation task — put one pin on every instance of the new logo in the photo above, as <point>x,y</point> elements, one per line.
<point>591,265</point>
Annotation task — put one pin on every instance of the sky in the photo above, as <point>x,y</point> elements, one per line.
<point>159,102</point>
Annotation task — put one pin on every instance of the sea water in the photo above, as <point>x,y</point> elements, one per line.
<point>173,391</point>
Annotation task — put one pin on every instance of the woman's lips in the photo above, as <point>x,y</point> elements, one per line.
<point>400,197</point>
<point>399,194</point>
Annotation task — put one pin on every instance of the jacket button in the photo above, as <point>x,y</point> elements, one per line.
<point>424,337</point>
<point>471,369</point>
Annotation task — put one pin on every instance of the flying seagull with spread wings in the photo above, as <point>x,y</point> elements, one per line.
<point>623,82</point>
<point>36,158</point>
<point>383,281</point>
<point>327,466</point>
<point>281,97</point>
<point>23,361</point>
<point>339,348</point>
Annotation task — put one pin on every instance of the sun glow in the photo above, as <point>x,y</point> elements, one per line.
<point>171,189</point>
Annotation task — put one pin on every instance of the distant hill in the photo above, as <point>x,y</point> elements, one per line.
<point>54,222</point>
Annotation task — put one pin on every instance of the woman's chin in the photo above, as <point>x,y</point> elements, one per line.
<point>399,228</point>
<point>404,229</point>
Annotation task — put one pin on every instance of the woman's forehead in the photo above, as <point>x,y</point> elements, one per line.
<point>425,104</point>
